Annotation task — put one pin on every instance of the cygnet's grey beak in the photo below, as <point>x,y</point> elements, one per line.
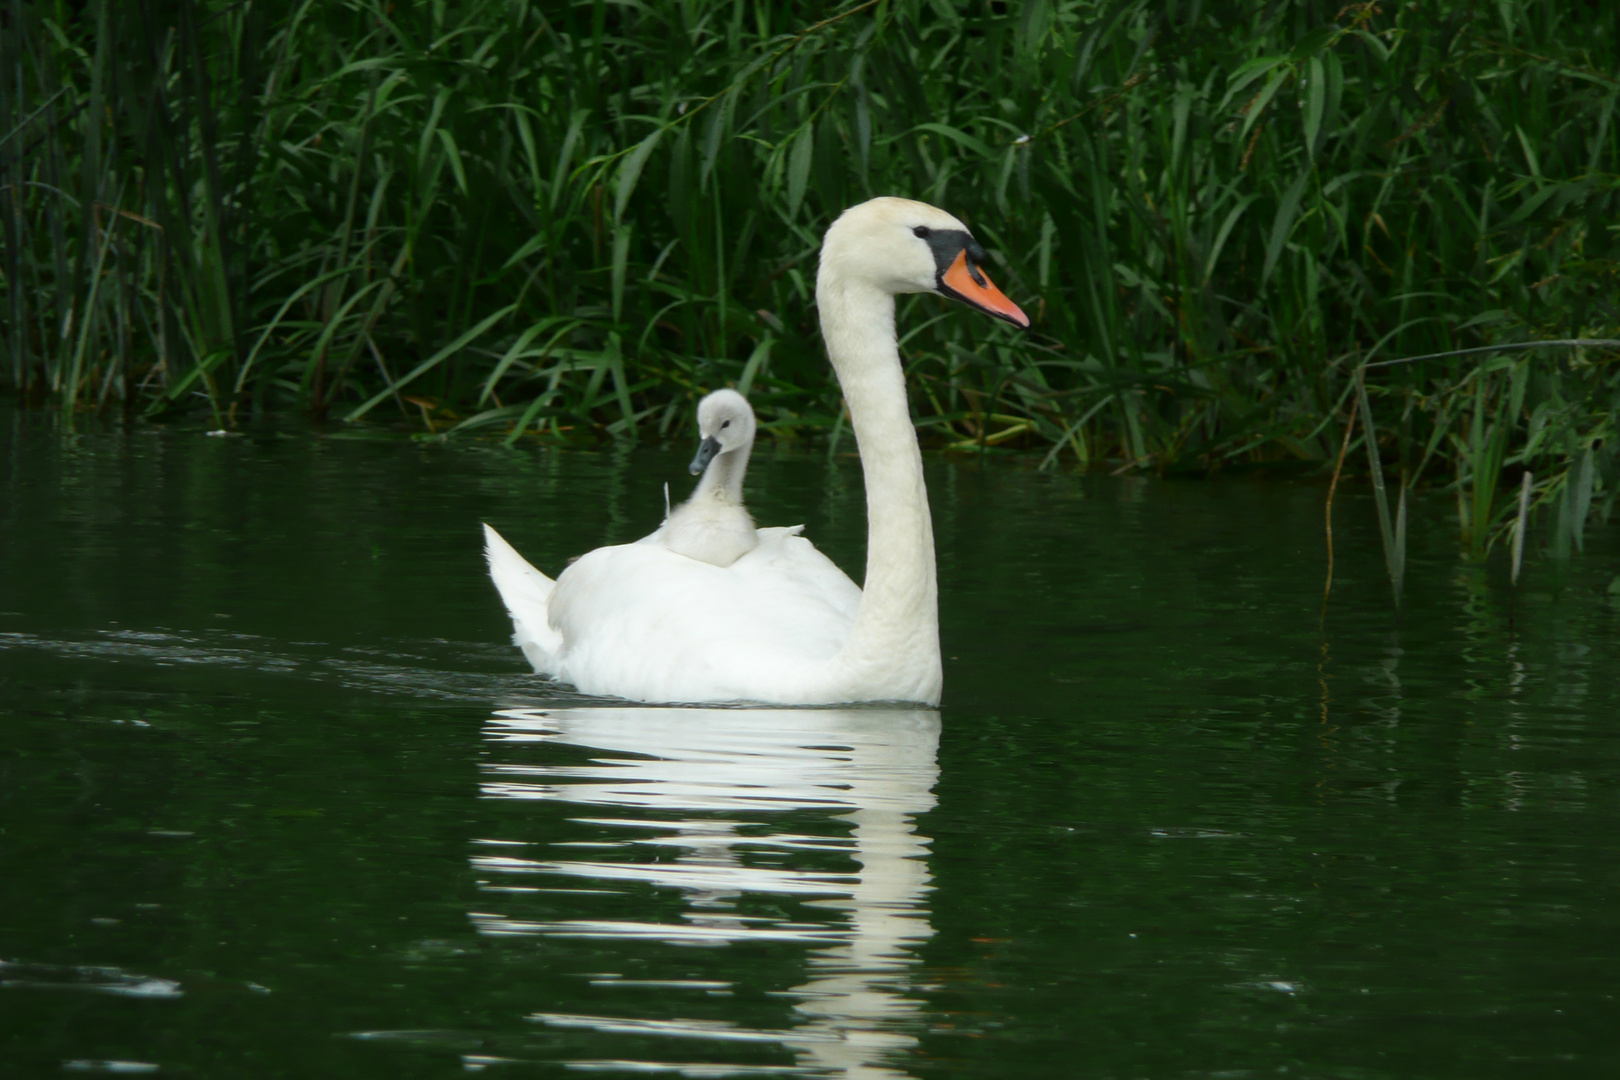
<point>706,451</point>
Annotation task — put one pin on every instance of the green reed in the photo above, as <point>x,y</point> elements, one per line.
<point>567,220</point>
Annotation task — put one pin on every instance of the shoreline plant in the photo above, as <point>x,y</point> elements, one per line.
<point>1233,224</point>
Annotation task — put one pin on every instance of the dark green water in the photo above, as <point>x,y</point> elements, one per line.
<point>277,799</point>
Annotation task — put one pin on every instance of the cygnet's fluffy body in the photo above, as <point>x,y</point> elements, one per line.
<point>713,526</point>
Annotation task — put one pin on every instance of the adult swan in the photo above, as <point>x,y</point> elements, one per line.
<point>781,624</point>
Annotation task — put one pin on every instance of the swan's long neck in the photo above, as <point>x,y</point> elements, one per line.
<point>897,627</point>
<point>723,480</point>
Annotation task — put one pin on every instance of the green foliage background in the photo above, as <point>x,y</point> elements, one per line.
<point>567,220</point>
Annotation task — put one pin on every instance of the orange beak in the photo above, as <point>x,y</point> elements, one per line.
<point>969,284</point>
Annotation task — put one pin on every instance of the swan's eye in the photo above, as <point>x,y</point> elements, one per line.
<point>725,425</point>
<point>922,232</point>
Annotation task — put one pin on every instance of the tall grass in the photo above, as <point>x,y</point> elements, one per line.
<point>565,220</point>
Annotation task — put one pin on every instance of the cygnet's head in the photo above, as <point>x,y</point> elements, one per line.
<point>902,246</point>
<point>725,422</point>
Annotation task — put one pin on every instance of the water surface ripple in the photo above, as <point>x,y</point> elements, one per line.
<point>278,799</point>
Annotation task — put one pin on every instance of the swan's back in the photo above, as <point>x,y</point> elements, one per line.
<point>642,622</point>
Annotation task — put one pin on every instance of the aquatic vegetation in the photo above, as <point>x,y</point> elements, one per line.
<point>568,221</point>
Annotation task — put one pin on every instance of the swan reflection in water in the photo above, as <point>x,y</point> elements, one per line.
<point>723,787</point>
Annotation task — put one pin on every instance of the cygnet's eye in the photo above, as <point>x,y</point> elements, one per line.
<point>725,425</point>
<point>922,232</point>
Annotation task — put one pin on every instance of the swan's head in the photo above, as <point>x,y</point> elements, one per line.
<point>725,422</point>
<point>902,246</point>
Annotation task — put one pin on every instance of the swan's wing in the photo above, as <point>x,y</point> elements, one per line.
<point>788,571</point>
<point>643,622</point>
<point>526,592</point>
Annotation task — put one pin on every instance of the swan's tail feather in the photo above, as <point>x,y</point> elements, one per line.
<point>526,592</point>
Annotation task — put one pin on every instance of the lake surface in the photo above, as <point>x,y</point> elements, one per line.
<point>277,799</point>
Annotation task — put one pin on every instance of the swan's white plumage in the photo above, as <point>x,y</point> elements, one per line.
<point>642,622</point>
<point>780,624</point>
<point>525,591</point>
<point>748,631</point>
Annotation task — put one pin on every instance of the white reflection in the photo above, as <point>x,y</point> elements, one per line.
<point>708,783</point>
<point>101,979</point>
